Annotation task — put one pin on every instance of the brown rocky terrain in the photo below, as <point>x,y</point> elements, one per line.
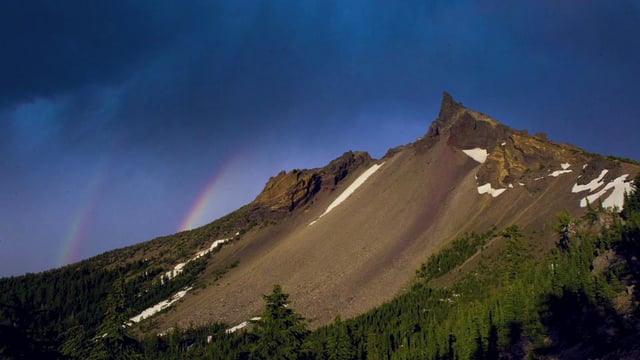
<point>289,190</point>
<point>366,249</point>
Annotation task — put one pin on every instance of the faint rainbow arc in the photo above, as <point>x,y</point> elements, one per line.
<point>70,250</point>
<point>202,200</point>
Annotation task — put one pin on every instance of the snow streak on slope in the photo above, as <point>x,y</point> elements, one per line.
<point>348,191</point>
<point>560,172</point>
<point>487,189</point>
<point>477,154</point>
<point>159,306</point>
<point>591,186</point>
<point>242,325</point>
<point>180,267</point>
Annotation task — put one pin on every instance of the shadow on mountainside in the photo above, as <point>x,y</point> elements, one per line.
<point>579,328</point>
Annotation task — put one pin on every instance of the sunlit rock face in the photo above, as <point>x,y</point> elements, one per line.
<point>288,190</point>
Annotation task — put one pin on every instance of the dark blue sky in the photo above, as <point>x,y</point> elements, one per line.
<point>117,117</point>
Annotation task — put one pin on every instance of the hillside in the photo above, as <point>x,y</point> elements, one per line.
<point>342,239</point>
<point>423,195</point>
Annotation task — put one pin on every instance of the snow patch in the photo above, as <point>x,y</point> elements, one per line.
<point>180,267</point>
<point>592,185</point>
<point>538,178</point>
<point>349,190</point>
<point>616,199</point>
<point>241,325</point>
<point>560,172</point>
<point>521,184</point>
<point>477,154</point>
<point>159,306</point>
<point>565,166</point>
<point>584,166</point>
<point>503,143</point>
<point>510,186</point>
<point>487,189</point>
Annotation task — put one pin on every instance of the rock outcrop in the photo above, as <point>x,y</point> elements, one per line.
<point>514,156</point>
<point>289,190</point>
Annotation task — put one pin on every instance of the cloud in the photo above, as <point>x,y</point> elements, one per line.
<point>52,48</point>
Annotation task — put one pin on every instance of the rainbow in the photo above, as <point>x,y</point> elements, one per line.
<point>71,246</point>
<point>197,213</point>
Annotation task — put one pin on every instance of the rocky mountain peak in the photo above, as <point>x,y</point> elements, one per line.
<point>448,107</point>
<point>512,155</point>
<point>463,127</point>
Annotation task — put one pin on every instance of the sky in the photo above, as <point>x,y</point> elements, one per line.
<point>123,121</point>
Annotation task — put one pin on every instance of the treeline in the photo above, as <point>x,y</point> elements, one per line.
<point>146,290</point>
<point>37,310</point>
<point>511,305</point>
<point>40,307</point>
<point>454,255</point>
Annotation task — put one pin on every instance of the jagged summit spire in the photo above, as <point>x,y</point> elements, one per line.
<point>448,107</point>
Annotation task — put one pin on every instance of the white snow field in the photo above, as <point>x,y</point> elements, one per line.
<point>487,189</point>
<point>349,190</point>
<point>592,185</point>
<point>565,166</point>
<point>159,306</point>
<point>477,154</point>
<point>616,199</point>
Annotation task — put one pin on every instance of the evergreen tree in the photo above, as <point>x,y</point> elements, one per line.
<point>632,200</point>
<point>77,343</point>
<point>280,331</point>
<point>564,227</point>
<point>339,345</point>
<point>112,341</point>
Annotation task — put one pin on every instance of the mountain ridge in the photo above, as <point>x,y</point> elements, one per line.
<point>349,236</point>
<point>528,171</point>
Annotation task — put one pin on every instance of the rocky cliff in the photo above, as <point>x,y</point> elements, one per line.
<point>290,190</point>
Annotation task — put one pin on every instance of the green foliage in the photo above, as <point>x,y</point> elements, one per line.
<point>454,255</point>
<point>505,309</point>
<point>48,304</point>
<point>622,159</point>
<point>339,346</point>
<point>280,331</point>
<point>76,345</point>
<point>632,202</point>
<point>142,293</point>
<point>204,342</point>
<point>112,340</point>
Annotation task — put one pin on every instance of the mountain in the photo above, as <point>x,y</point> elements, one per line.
<point>467,173</point>
<point>348,237</point>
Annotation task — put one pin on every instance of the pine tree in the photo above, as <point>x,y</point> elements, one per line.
<point>339,345</point>
<point>280,331</point>
<point>76,344</point>
<point>112,341</point>
<point>632,200</point>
